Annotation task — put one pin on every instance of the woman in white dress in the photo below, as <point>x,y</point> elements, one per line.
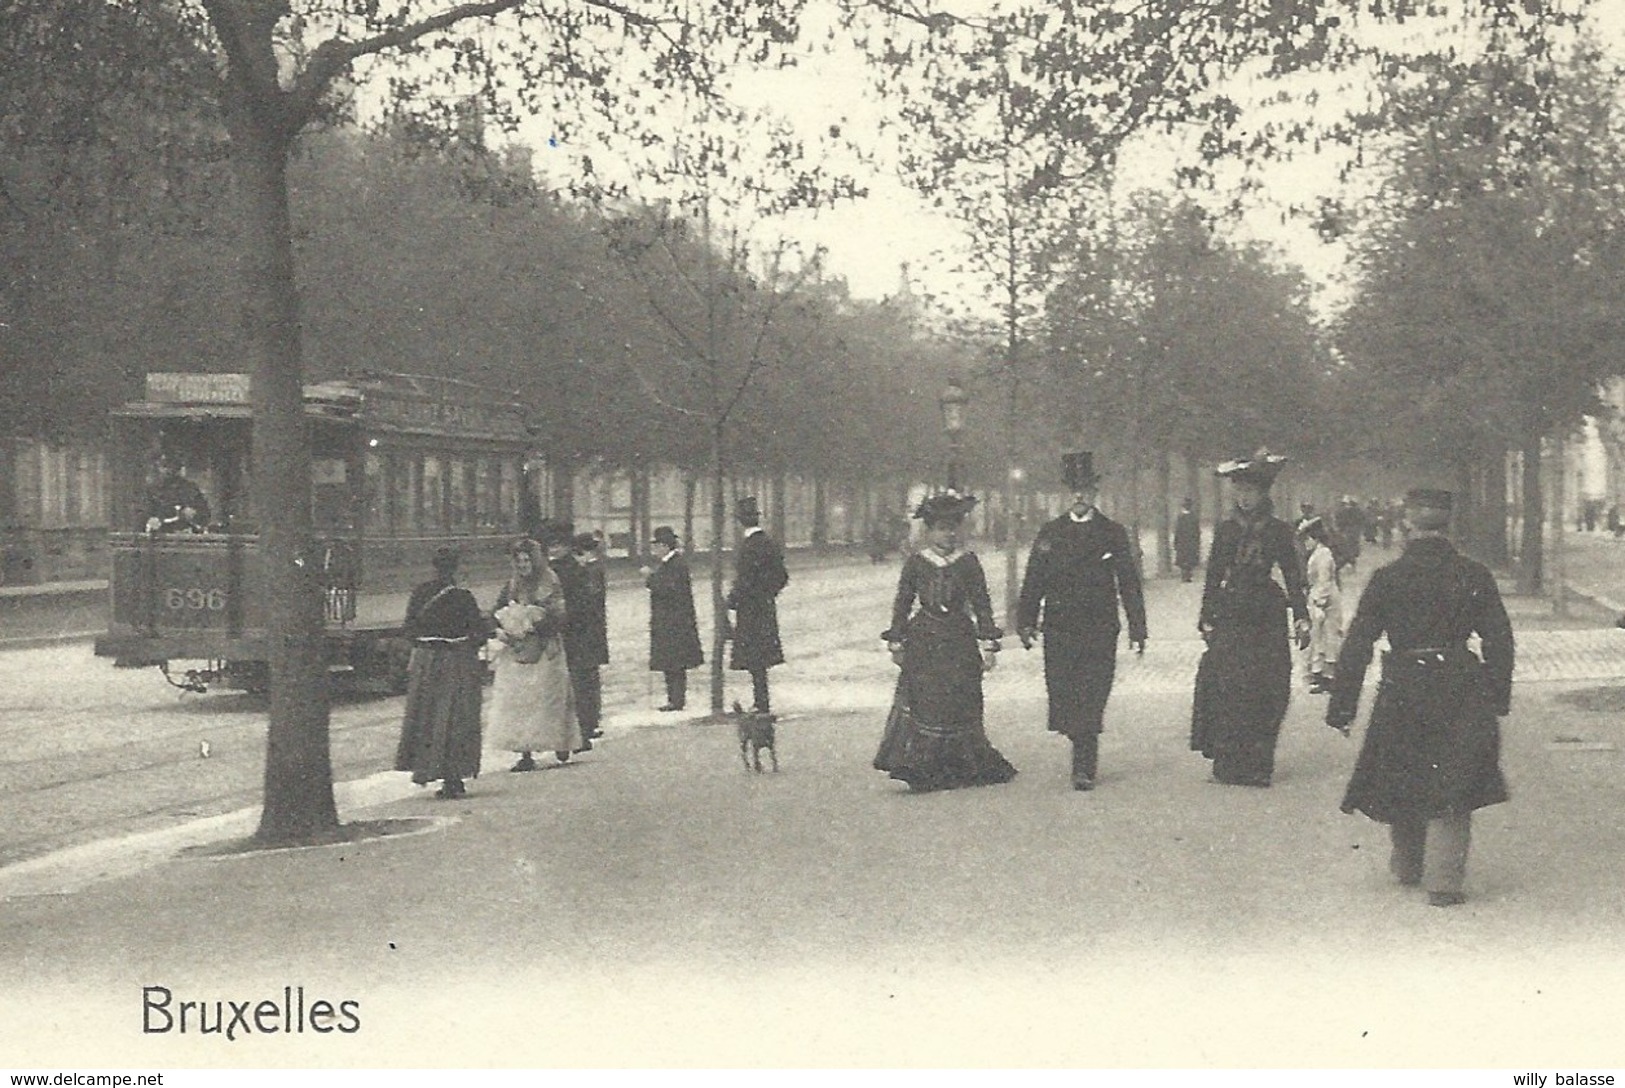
<point>532,709</point>
<point>1325,605</point>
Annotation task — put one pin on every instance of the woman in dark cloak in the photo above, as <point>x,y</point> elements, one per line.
<point>943,637</point>
<point>1245,676</point>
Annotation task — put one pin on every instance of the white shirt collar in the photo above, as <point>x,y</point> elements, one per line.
<point>669,556</point>
<point>754,529</point>
<point>1088,515</point>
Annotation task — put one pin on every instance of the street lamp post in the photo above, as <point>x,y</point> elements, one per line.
<point>953,401</point>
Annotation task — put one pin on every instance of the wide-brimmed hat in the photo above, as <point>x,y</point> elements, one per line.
<point>1078,469</point>
<point>666,535</point>
<point>944,507</point>
<point>1260,469</point>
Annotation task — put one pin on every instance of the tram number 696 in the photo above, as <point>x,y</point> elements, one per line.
<point>194,599</point>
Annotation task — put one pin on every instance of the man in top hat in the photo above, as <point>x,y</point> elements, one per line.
<point>1080,569</point>
<point>1431,753</point>
<point>586,646</point>
<point>759,576</point>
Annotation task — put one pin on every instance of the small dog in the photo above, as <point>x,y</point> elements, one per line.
<point>755,735</point>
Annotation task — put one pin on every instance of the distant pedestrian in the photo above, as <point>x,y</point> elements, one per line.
<point>1431,753</point>
<point>1080,569</point>
<point>1616,525</point>
<point>532,705</point>
<point>759,577</point>
<point>1187,541</point>
<point>1325,598</point>
<point>674,632</point>
<point>589,552</point>
<point>1348,532</point>
<point>942,637</point>
<point>1244,680</point>
<point>440,734</point>
<point>585,647</point>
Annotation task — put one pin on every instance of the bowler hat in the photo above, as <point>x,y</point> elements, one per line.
<point>746,509</point>
<point>1078,469</point>
<point>446,558</point>
<point>666,535</point>
<point>1260,469</point>
<point>584,542</point>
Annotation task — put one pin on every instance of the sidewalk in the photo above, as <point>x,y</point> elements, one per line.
<point>655,904</point>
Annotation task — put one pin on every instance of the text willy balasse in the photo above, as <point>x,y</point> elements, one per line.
<point>161,1014</point>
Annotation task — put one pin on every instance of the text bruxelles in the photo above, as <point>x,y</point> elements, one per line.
<point>161,1014</point>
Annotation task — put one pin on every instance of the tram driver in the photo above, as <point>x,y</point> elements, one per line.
<point>174,503</point>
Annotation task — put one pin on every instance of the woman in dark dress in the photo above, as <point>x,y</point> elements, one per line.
<point>943,636</point>
<point>1245,676</point>
<point>440,736</point>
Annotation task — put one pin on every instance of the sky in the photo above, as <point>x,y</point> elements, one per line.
<point>870,240</point>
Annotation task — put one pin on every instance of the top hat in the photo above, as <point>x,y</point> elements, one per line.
<point>745,509</point>
<point>1260,469</point>
<point>1078,470</point>
<point>1430,497</point>
<point>665,534</point>
<point>944,508</point>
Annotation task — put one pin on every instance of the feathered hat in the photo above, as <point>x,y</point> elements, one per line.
<point>1261,468</point>
<point>945,507</point>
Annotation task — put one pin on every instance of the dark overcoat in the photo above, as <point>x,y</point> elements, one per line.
<point>759,575</point>
<point>1187,540</point>
<point>674,630</point>
<point>586,642</point>
<point>1432,747</point>
<point>1078,574</point>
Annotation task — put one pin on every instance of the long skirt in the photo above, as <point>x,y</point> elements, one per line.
<point>1243,684</point>
<point>533,706</point>
<point>934,737</point>
<point>440,735</point>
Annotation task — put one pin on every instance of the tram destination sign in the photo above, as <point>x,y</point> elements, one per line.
<point>178,388</point>
<point>445,417</point>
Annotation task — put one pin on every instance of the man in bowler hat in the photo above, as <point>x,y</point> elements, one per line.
<point>1431,753</point>
<point>586,645</point>
<point>759,576</point>
<point>1080,569</point>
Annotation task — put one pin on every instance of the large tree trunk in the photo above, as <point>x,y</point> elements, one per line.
<point>1530,551</point>
<point>564,488</point>
<point>299,804</point>
<point>1494,463</point>
<point>1560,603</point>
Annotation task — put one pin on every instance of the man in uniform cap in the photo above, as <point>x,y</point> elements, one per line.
<point>1431,753</point>
<point>1080,568</point>
<point>759,576</point>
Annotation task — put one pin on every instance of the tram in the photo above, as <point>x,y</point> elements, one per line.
<point>400,466</point>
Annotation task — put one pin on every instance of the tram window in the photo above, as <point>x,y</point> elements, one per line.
<point>403,489</point>
<point>433,493</point>
<point>375,494</point>
<point>459,508</point>
<point>508,498</point>
<point>487,489</point>
<point>330,493</point>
